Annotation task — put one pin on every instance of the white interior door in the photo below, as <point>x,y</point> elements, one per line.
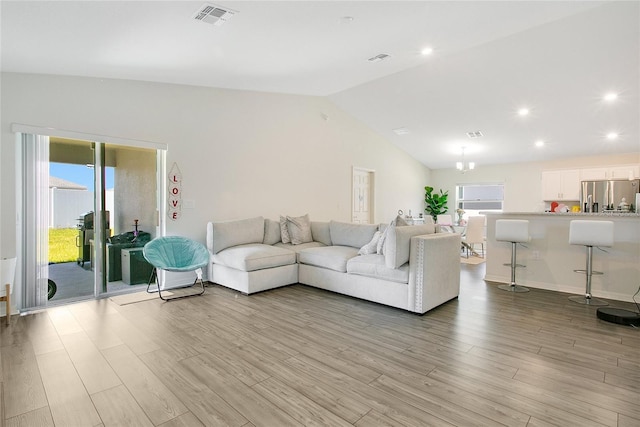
<point>362,196</point>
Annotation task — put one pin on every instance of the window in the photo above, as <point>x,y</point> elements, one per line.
<point>473,198</point>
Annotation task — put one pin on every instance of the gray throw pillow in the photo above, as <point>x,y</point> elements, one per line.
<point>397,222</point>
<point>400,222</point>
<point>299,229</point>
<point>320,232</point>
<point>284,230</point>
<point>398,242</point>
<point>272,234</point>
<point>233,233</point>
<point>350,234</point>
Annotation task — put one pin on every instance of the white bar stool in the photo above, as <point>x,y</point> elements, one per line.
<point>514,231</point>
<point>590,234</point>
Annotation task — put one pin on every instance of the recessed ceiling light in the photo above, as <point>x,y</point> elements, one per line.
<point>612,135</point>
<point>346,19</point>
<point>611,96</point>
<point>523,111</point>
<point>539,143</point>
<point>427,51</point>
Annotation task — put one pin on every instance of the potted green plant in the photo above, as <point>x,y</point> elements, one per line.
<point>435,203</point>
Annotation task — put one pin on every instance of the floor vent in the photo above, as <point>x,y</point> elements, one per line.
<point>214,15</point>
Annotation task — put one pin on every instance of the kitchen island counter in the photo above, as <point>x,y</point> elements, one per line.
<point>550,259</point>
<point>616,214</point>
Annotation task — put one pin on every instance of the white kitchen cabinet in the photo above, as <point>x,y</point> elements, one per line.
<point>610,172</point>
<point>624,172</point>
<point>561,185</point>
<point>593,174</point>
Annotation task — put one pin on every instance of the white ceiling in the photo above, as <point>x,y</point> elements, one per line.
<point>490,58</point>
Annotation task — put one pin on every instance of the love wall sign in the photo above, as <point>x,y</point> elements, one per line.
<point>174,188</point>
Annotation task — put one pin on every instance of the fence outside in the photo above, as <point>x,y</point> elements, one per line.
<point>66,206</point>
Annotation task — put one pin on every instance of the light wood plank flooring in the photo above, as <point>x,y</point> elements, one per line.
<point>299,356</point>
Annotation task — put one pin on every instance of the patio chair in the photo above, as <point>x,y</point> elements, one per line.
<point>177,254</point>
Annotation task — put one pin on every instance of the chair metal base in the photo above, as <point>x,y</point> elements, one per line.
<point>469,247</point>
<point>513,288</point>
<point>595,273</point>
<point>154,277</point>
<point>508,264</point>
<point>587,300</point>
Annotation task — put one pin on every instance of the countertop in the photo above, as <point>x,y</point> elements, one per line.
<point>579,214</point>
<point>551,259</point>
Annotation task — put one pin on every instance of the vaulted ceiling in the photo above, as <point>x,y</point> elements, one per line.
<point>489,60</point>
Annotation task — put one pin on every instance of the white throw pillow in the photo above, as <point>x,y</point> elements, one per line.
<point>299,229</point>
<point>284,230</point>
<point>383,238</point>
<point>372,246</point>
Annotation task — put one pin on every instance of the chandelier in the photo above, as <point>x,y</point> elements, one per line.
<point>464,166</point>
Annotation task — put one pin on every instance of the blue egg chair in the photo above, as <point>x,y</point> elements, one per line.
<point>175,253</point>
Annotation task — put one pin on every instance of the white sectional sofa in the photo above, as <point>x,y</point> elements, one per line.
<point>414,268</point>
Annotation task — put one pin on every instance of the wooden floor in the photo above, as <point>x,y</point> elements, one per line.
<point>302,356</point>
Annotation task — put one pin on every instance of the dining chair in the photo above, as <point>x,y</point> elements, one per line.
<point>474,233</point>
<point>444,219</point>
<point>445,222</point>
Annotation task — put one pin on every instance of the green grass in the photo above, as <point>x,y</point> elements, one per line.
<point>62,245</point>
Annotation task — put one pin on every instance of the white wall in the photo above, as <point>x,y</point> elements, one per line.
<point>135,191</point>
<point>522,181</point>
<point>241,153</point>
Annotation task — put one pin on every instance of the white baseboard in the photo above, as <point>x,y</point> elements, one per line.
<point>560,288</point>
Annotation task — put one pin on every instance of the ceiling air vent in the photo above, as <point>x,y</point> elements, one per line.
<point>378,58</point>
<point>474,134</point>
<point>214,15</point>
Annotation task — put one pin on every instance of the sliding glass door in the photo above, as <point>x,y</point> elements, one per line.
<point>89,207</point>
<point>77,218</point>
<point>132,203</point>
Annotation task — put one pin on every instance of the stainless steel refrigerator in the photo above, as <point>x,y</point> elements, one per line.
<point>601,196</point>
